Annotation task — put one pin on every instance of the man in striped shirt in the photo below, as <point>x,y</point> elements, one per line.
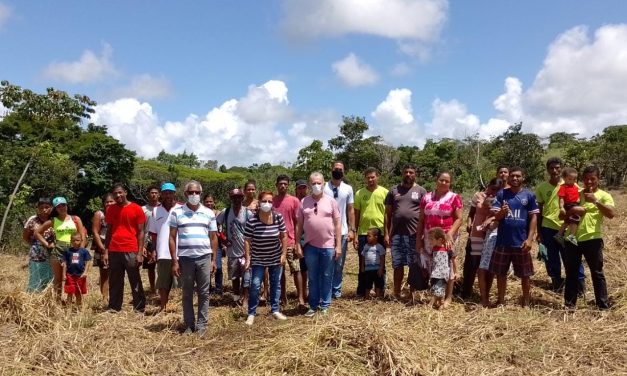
<point>195,226</point>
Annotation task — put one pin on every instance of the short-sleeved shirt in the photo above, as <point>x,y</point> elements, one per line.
<point>439,212</point>
<point>405,204</point>
<point>36,252</point>
<point>265,241</point>
<point>75,260</point>
<point>570,194</point>
<point>158,224</point>
<point>371,206</point>
<point>234,230</point>
<point>513,229</point>
<point>591,223</point>
<point>546,195</point>
<point>124,221</point>
<point>372,256</point>
<point>193,229</point>
<point>318,220</point>
<point>288,207</point>
<point>343,195</point>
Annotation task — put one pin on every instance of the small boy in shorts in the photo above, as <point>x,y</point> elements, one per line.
<point>570,209</point>
<point>75,268</point>
<point>373,264</point>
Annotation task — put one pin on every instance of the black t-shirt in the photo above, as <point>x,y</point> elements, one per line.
<point>405,204</point>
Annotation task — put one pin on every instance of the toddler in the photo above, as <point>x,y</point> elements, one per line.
<point>570,209</point>
<point>373,264</point>
<point>443,266</point>
<point>76,267</point>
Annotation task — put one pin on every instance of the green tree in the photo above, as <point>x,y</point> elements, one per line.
<point>352,147</point>
<point>183,159</point>
<point>312,158</point>
<point>611,154</point>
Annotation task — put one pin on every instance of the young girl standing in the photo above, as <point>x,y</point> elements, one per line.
<point>443,266</point>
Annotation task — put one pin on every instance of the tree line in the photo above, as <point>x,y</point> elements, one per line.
<point>49,146</point>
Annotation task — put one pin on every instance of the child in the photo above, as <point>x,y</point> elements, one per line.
<point>570,209</point>
<point>373,264</point>
<point>76,267</point>
<point>441,265</point>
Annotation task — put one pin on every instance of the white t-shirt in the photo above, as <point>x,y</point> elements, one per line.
<point>344,197</point>
<point>158,224</point>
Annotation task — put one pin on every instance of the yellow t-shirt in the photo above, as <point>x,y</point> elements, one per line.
<point>371,206</point>
<point>546,194</point>
<point>63,230</point>
<point>591,223</point>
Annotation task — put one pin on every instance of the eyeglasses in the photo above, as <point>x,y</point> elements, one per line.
<point>315,208</point>
<point>335,193</point>
<point>194,192</point>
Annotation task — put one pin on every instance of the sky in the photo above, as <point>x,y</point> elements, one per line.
<point>246,82</point>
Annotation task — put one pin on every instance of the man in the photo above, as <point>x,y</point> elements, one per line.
<point>402,211</point>
<point>549,224</point>
<point>233,220</point>
<point>343,195</point>
<point>150,253</point>
<point>369,208</point>
<point>301,191</point>
<point>159,232</point>
<point>195,226</point>
<point>319,218</point>
<point>288,206</point>
<point>516,210</point>
<point>124,245</point>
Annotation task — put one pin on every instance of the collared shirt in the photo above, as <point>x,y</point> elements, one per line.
<point>193,230</point>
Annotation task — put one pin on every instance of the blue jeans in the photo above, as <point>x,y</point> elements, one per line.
<point>555,255</point>
<point>257,272</point>
<point>195,271</point>
<point>338,271</point>
<point>320,265</point>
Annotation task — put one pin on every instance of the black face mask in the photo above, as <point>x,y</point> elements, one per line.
<point>337,174</point>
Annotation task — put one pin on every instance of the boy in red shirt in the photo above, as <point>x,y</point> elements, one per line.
<point>570,210</point>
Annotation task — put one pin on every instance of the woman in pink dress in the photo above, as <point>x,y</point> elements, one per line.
<point>440,208</point>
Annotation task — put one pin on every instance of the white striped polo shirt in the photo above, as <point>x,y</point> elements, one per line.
<point>193,230</point>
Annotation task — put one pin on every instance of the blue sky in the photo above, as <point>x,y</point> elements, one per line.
<point>217,78</point>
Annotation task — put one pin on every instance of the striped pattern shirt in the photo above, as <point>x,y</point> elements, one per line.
<point>193,230</point>
<point>265,244</point>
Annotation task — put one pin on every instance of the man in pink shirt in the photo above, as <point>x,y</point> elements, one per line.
<point>319,217</point>
<point>288,206</point>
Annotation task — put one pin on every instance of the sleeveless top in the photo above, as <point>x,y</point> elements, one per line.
<point>63,230</point>
<point>103,226</point>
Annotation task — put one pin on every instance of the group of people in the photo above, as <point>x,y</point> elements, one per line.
<point>264,234</point>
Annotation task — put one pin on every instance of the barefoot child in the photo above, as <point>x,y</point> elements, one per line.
<point>76,267</point>
<point>570,209</point>
<point>443,266</point>
<point>373,264</point>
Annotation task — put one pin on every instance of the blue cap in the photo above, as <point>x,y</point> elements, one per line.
<point>168,187</point>
<point>58,201</point>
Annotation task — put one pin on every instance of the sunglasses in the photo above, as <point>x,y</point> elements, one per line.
<point>266,201</point>
<point>315,208</point>
<point>335,193</point>
<point>194,192</point>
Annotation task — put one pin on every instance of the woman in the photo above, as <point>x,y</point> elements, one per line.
<point>598,205</point>
<point>265,245</point>
<point>99,231</point>
<point>210,202</point>
<point>63,225</point>
<point>39,271</point>
<point>250,190</point>
<point>440,208</point>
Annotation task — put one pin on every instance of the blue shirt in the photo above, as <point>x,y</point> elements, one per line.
<point>513,228</point>
<point>75,260</point>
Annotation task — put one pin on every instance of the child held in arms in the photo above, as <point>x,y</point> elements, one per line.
<point>570,209</point>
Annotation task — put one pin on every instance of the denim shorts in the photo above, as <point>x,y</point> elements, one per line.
<point>403,250</point>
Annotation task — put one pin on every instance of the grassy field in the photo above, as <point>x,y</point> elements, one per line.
<point>356,338</point>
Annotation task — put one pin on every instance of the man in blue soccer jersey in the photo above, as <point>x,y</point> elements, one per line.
<point>516,210</point>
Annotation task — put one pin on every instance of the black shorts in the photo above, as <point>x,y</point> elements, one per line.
<point>372,278</point>
<point>149,266</point>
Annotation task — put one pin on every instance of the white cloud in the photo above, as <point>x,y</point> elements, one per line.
<point>400,69</point>
<point>395,119</point>
<point>410,22</point>
<point>145,86</point>
<point>5,14</point>
<point>89,68</point>
<point>258,127</point>
<point>354,72</point>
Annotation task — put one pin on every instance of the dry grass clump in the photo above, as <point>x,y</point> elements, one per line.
<point>358,337</point>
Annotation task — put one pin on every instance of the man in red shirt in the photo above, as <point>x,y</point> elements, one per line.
<point>124,244</point>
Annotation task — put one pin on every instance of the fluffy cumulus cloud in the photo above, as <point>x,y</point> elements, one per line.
<point>257,127</point>
<point>145,86</point>
<point>89,68</point>
<point>412,23</point>
<point>354,72</point>
<point>5,14</point>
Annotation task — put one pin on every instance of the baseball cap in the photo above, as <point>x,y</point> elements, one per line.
<point>58,201</point>
<point>301,182</point>
<point>168,187</point>
<point>236,192</point>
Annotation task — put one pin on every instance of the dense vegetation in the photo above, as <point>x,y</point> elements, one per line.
<point>49,139</point>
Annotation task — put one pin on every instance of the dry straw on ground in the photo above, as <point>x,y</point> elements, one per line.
<point>356,338</point>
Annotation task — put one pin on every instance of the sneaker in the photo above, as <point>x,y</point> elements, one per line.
<point>310,313</point>
<point>279,316</point>
<point>324,311</point>
<point>250,320</point>
<point>559,239</point>
<point>571,239</point>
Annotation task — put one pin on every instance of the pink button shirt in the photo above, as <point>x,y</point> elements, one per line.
<point>318,221</point>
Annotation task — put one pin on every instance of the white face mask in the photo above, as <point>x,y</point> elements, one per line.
<point>316,189</point>
<point>265,207</point>
<point>193,199</point>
